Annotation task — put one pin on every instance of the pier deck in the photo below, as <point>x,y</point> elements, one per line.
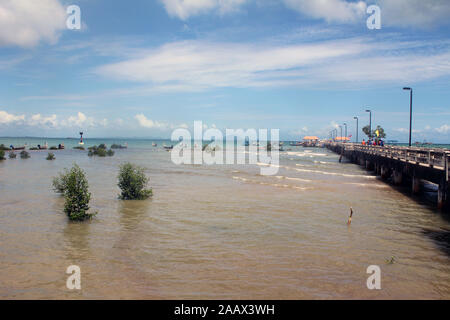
<point>402,165</point>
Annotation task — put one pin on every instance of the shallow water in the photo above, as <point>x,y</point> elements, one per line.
<point>218,232</point>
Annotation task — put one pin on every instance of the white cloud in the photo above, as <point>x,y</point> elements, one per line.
<point>330,10</point>
<point>8,118</point>
<point>52,121</point>
<point>183,9</point>
<point>400,13</point>
<point>197,64</point>
<point>148,123</point>
<point>153,124</point>
<point>25,23</point>
<point>444,129</point>
<point>79,120</point>
<point>38,120</point>
<point>415,13</point>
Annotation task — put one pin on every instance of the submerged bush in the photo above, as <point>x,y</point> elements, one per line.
<point>60,182</point>
<point>118,146</point>
<point>78,148</point>
<point>53,148</point>
<point>100,151</point>
<point>133,183</point>
<point>2,155</point>
<point>50,156</point>
<point>24,155</point>
<point>74,185</point>
<point>12,155</point>
<point>2,147</point>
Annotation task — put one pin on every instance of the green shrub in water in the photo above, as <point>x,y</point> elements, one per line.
<point>24,154</point>
<point>2,147</point>
<point>53,148</point>
<point>2,155</point>
<point>50,156</point>
<point>75,188</point>
<point>78,148</point>
<point>12,155</point>
<point>60,182</point>
<point>133,183</point>
<point>100,151</point>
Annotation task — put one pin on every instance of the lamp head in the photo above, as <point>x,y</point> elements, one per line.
<point>406,88</point>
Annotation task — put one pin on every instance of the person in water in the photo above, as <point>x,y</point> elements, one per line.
<point>349,222</point>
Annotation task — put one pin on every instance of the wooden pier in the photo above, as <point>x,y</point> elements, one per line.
<point>402,165</point>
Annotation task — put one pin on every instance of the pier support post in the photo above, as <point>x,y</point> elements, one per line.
<point>415,184</point>
<point>398,177</point>
<point>442,197</point>
<point>384,172</point>
<point>362,162</point>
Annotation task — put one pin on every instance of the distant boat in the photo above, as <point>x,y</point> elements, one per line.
<point>168,147</point>
<point>17,148</point>
<point>44,147</point>
<point>154,144</point>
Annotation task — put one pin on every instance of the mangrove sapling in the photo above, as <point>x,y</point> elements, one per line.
<point>50,156</point>
<point>12,155</point>
<point>77,195</point>
<point>100,151</point>
<point>60,182</point>
<point>24,155</point>
<point>133,183</point>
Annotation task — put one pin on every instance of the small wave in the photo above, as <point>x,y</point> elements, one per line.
<point>306,154</point>
<point>368,185</point>
<point>277,185</point>
<point>294,179</point>
<point>337,174</point>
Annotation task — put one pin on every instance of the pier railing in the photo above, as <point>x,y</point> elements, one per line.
<point>434,158</point>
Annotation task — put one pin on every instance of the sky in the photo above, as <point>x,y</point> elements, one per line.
<point>144,68</point>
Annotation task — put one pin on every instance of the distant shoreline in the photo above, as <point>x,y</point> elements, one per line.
<point>166,139</point>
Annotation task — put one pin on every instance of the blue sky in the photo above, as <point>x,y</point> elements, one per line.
<point>144,68</point>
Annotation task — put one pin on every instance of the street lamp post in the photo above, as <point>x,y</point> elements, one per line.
<point>341,132</point>
<point>410,111</point>
<point>345,132</point>
<point>357,120</point>
<point>370,124</point>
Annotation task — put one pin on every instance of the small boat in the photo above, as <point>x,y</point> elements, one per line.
<point>44,147</point>
<point>61,146</point>
<point>17,148</point>
<point>154,144</point>
<point>168,147</point>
